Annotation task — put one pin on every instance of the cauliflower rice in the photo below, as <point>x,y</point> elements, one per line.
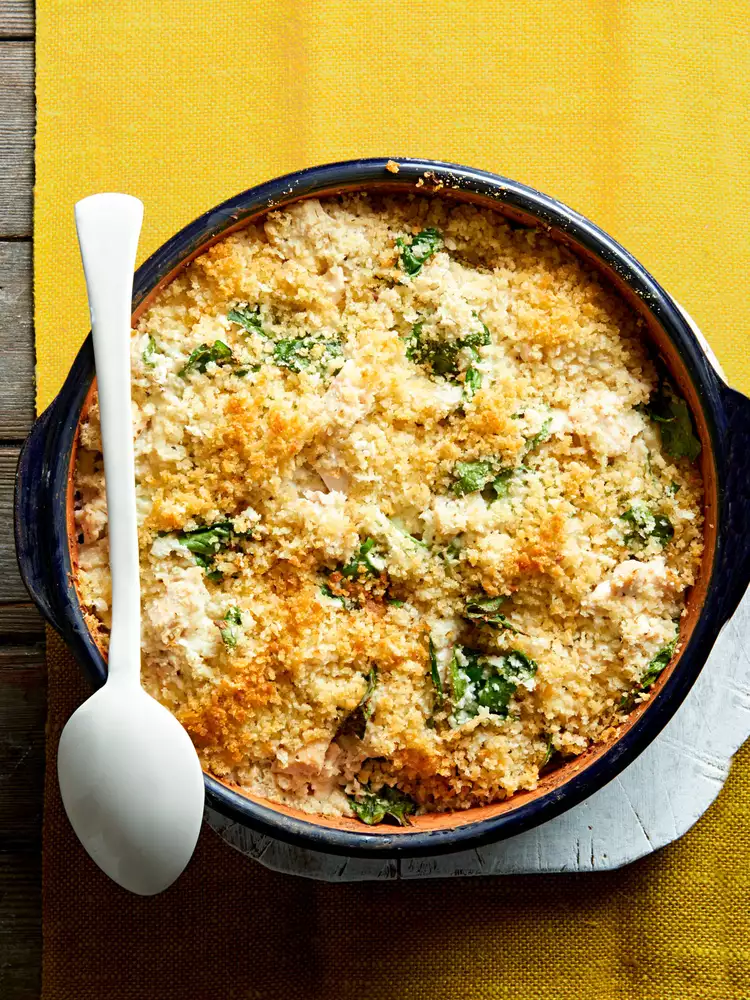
<point>407,526</point>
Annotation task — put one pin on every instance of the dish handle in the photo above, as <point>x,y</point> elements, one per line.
<point>733,568</point>
<point>32,518</point>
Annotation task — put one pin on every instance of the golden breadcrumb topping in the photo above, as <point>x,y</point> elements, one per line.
<point>406,521</point>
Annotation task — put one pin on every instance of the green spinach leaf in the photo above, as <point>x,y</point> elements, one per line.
<point>500,485</point>
<point>469,477</point>
<point>406,534</point>
<point>472,382</point>
<point>480,338</point>
<point>344,602</point>
<point>148,352</point>
<point>486,475</point>
<point>479,680</point>
<point>449,358</point>
<point>483,607</point>
<point>542,435</point>
<point>366,562</point>
<point>418,250</point>
<point>644,525</point>
<point>296,354</point>
<point>199,359</point>
<point>247,318</point>
<point>355,723</point>
<point>658,663</point>
<point>652,672</point>
<point>229,633</point>
<point>206,543</point>
<point>451,554</point>
<point>414,344</point>
<point>373,807</point>
<point>671,413</point>
<point>435,675</point>
<point>485,611</point>
<point>229,637</point>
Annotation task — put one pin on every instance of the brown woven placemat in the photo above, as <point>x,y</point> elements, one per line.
<point>670,927</point>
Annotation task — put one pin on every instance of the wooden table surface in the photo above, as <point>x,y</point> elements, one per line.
<point>22,671</point>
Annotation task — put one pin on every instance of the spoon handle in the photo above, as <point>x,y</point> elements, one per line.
<point>108,228</point>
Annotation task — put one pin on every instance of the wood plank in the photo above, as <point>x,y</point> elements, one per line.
<point>12,589</point>
<point>16,341</point>
<point>16,18</point>
<point>22,761</point>
<point>20,624</point>
<point>20,925</point>
<point>20,655</point>
<point>23,702</point>
<point>16,137</point>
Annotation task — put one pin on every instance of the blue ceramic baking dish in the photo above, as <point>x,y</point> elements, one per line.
<point>47,547</point>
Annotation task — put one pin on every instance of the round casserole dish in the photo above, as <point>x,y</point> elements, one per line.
<point>46,542</point>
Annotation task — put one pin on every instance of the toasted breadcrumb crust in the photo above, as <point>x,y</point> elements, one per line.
<point>265,651</point>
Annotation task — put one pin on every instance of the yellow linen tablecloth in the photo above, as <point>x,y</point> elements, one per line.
<point>636,113</point>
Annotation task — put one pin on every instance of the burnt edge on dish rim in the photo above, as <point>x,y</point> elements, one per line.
<point>42,484</point>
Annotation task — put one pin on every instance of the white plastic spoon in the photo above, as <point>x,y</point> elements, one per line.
<point>130,778</point>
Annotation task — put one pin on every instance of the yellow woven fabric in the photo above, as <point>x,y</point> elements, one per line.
<point>636,113</point>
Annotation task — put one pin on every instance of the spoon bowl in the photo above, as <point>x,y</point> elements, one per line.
<point>132,787</point>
